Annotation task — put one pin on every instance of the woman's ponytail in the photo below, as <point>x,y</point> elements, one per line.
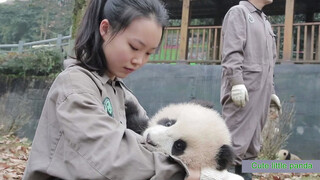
<point>88,44</point>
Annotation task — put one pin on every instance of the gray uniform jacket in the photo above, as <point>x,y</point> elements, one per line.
<point>82,134</point>
<point>248,57</point>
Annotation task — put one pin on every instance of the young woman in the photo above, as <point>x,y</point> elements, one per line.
<point>82,131</point>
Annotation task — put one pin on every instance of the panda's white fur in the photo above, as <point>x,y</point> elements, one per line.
<point>203,129</point>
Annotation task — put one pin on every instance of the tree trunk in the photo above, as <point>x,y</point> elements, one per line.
<point>78,11</point>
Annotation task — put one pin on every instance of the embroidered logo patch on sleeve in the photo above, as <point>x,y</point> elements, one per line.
<point>107,106</point>
<point>250,18</point>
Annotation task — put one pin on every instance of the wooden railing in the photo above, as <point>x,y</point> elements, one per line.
<point>278,29</point>
<point>204,44</point>
<point>59,42</point>
<point>169,48</point>
<point>306,43</point>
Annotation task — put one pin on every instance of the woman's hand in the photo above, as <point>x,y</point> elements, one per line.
<point>194,174</point>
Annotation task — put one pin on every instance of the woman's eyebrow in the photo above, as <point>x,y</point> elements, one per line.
<point>139,41</point>
<point>142,43</point>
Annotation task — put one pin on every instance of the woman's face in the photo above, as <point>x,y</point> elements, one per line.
<point>129,49</point>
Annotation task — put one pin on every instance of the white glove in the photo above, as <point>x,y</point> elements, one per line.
<point>239,95</point>
<point>275,99</point>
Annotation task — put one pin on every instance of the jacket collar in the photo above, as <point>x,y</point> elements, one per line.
<point>105,79</point>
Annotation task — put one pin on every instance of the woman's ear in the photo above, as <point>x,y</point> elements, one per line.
<point>104,28</point>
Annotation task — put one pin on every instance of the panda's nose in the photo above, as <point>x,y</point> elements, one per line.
<point>149,141</point>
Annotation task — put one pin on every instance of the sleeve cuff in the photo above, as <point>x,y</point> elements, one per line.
<point>236,80</point>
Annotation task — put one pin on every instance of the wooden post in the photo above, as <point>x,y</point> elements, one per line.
<point>20,47</point>
<point>288,27</point>
<point>309,37</point>
<point>59,41</point>
<point>71,45</point>
<point>184,30</point>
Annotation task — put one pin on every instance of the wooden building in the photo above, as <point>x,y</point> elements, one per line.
<point>297,42</point>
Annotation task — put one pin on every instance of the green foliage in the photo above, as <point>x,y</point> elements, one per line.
<point>317,17</point>
<point>174,22</point>
<point>193,22</point>
<point>202,22</point>
<point>41,62</point>
<point>276,19</point>
<point>34,20</point>
<point>15,22</point>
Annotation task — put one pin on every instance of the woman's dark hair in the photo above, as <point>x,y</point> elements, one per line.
<point>120,13</point>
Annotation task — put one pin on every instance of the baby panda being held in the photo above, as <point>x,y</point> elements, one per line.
<point>195,134</point>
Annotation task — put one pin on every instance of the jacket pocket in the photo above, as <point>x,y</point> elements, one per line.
<point>252,75</point>
<point>272,44</point>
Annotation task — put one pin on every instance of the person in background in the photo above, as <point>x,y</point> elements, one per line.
<point>247,88</point>
<point>82,132</point>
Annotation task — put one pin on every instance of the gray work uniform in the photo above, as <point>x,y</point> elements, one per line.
<point>82,134</point>
<point>248,57</point>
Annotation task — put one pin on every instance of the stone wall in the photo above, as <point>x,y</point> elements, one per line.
<point>21,102</point>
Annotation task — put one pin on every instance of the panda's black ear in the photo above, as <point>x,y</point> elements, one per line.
<point>225,157</point>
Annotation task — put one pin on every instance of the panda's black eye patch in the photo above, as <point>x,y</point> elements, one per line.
<point>167,122</point>
<point>178,147</point>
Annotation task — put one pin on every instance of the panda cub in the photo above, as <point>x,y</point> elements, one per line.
<point>284,154</point>
<point>195,134</point>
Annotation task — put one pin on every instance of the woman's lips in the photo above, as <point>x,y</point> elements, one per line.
<point>129,70</point>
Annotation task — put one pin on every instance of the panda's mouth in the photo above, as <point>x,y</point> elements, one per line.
<point>149,141</point>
